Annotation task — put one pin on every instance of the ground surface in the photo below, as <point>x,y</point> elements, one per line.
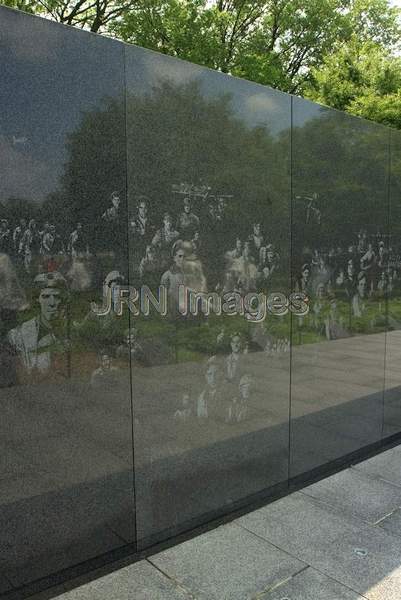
<point>338,539</point>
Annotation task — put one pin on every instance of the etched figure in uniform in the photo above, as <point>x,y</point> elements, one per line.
<point>174,277</point>
<point>5,237</point>
<point>112,213</point>
<point>105,376</point>
<point>41,339</point>
<point>209,401</point>
<point>234,359</point>
<point>78,245</point>
<point>184,413</point>
<point>30,245</point>
<point>238,408</point>
<point>12,301</point>
<point>164,238</point>
<point>188,222</point>
<point>359,299</point>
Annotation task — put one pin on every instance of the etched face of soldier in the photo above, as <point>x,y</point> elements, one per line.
<point>305,272</point>
<point>105,361</point>
<point>362,286</point>
<point>350,268</point>
<point>49,300</point>
<point>179,257</point>
<point>246,253</point>
<point>115,200</point>
<point>270,254</point>
<point>187,206</point>
<point>131,336</point>
<point>236,344</point>
<point>142,209</point>
<point>149,253</point>
<point>211,375</point>
<point>167,222</point>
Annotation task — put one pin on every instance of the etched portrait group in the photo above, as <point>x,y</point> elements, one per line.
<point>50,272</point>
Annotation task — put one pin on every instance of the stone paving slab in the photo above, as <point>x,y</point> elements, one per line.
<point>338,539</point>
<point>392,523</point>
<point>300,525</point>
<point>140,581</point>
<point>228,563</point>
<point>385,466</point>
<point>358,494</point>
<point>311,585</point>
<point>368,562</point>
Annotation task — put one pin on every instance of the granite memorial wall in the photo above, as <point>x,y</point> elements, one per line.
<point>160,224</point>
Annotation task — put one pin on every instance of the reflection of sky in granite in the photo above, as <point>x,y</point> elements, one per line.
<point>255,104</point>
<point>50,74</point>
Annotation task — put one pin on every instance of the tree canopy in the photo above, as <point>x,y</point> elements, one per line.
<point>343,53</point>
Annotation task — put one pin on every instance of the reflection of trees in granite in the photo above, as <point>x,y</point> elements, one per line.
<point>343,161</point>
<point>174,134</point>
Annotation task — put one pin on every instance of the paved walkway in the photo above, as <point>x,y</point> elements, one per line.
<point>338,539</point>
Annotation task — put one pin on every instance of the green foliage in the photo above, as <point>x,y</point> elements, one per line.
<point>273,42</point>
<point>361,78</point>
<point>29,6</point>
<point>338,52</point>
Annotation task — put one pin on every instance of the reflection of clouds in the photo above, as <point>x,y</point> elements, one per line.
<point>158,68</point>
<point>268,107</point>
<point>147,69</point>
<point>262,103</point>
<point>23,175</point>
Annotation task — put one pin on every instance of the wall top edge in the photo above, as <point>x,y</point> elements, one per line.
<point>126,46</point>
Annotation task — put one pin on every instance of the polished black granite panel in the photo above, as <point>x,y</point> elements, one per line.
<point>340,256</point>
<point>128,175</point>
<point>66,483</point>
<point>392,393</point>
<point>209,191</point>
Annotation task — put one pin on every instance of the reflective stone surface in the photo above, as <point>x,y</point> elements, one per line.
<point>155,217</point>
<point>66,489</point>
<point>340,256</point>
<point>209,196</point>
<point>392,393</point>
